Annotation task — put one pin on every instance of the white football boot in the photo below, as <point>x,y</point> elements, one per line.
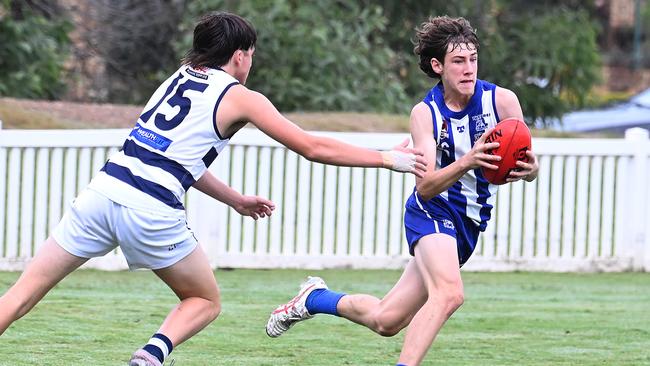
<point>285,316</point>
<point>143,358</point>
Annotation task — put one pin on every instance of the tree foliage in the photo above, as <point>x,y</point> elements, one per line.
<point>335,55</point>
<point>33,50</point>
<point>545,51</point>
<point>318,56</point>
<point>547,56</point>
<point>133,38</point>
<point>325,55</point>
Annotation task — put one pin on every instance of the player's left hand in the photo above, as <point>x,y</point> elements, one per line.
<point>405,159</point>
<point>254,206</point>
<point>527,170</point>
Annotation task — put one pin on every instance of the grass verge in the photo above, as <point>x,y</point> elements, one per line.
<point>99,318</point>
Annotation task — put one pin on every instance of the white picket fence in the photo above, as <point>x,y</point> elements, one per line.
<point>588,211</point>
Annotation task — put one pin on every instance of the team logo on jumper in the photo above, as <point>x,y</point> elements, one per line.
<point>460,129</point>
<point>448,224</point>
<point>444,136</point>
<point>171,247</point>
<point>480,121</point>
<point>444,130</point>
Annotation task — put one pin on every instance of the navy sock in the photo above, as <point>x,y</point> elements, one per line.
<point>160,346</point>
<point>323,301</point>
<point>401,364</point>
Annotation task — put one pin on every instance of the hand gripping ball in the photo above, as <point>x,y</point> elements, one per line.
<point>514,140</point>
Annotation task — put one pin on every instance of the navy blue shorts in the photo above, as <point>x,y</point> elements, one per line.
<point>423,218</point>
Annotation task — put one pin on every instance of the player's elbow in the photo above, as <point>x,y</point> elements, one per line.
<point>425,190</point>
<point>312,153</point>
<point>314,149</point>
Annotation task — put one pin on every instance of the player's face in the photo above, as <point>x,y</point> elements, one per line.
<point>460,68</point>
<point>245,65</point>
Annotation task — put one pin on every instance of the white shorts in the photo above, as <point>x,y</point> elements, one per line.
<point>94,225</point>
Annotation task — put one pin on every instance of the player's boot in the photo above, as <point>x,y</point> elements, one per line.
<point>285,316</point>
<point>143,358</point>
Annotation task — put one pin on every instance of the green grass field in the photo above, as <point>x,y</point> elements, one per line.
<point>99,318</point>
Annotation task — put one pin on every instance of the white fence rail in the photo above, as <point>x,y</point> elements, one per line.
<point>588,211</point>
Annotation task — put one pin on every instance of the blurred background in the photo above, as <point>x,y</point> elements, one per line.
<point>353,56</point>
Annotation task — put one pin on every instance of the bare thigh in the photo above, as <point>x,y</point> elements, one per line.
<point>406,297</point>
<point>437,262</point>
<point>435,267</point>
<point>50,265</point>
<point>192,276</point>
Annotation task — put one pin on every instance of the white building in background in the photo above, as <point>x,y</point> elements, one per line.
<point>634,112</point>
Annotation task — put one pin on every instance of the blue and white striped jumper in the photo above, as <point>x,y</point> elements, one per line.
<point>464,208</point>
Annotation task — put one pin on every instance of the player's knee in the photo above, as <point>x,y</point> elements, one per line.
<point>453,300</point>
<point>387,326</point>
<point>387,330</point>
<point>214,309</point>
<point>15,305</point>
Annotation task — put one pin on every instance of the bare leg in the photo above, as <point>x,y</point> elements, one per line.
<point>437,260</point>
<point>50,265</point>
<point>392,313</point>
<point>192,280</point>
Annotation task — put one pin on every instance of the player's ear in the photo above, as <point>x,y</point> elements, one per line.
<point>436,65</point>
<point>238,56</point>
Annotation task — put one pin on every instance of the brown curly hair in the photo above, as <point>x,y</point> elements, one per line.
<point>433,38</point>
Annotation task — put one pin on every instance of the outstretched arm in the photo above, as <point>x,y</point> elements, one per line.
<point>253,206</point>
<point>247,105</point>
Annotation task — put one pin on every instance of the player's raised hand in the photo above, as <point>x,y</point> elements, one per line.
<point>254,206</point>
<point>405,159</point>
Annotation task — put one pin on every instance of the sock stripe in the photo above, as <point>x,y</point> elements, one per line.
<point>157,342</point>
<point>167,341</point>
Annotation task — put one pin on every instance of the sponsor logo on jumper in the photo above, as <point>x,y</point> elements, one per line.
<point>150,138</point>
<point>480,117</point>
<point>196,74</point>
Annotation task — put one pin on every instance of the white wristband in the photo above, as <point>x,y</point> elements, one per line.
<point>398,160</point>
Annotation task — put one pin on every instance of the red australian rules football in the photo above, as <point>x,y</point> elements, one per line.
<point>514,138</point>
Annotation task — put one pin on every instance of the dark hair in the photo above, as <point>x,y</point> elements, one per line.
<point>216,37</point>
<point>434,37</point>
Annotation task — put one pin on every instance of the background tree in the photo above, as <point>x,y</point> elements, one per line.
<point>33,48</point>
<point>324,55</point>
<point>134,40</point>
<point>545,51</point>
<point>316,56</point>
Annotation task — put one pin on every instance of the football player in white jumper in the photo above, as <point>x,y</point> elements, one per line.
<point>135,201</point>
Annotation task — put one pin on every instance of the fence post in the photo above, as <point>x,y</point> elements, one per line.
<point>638,244</point>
